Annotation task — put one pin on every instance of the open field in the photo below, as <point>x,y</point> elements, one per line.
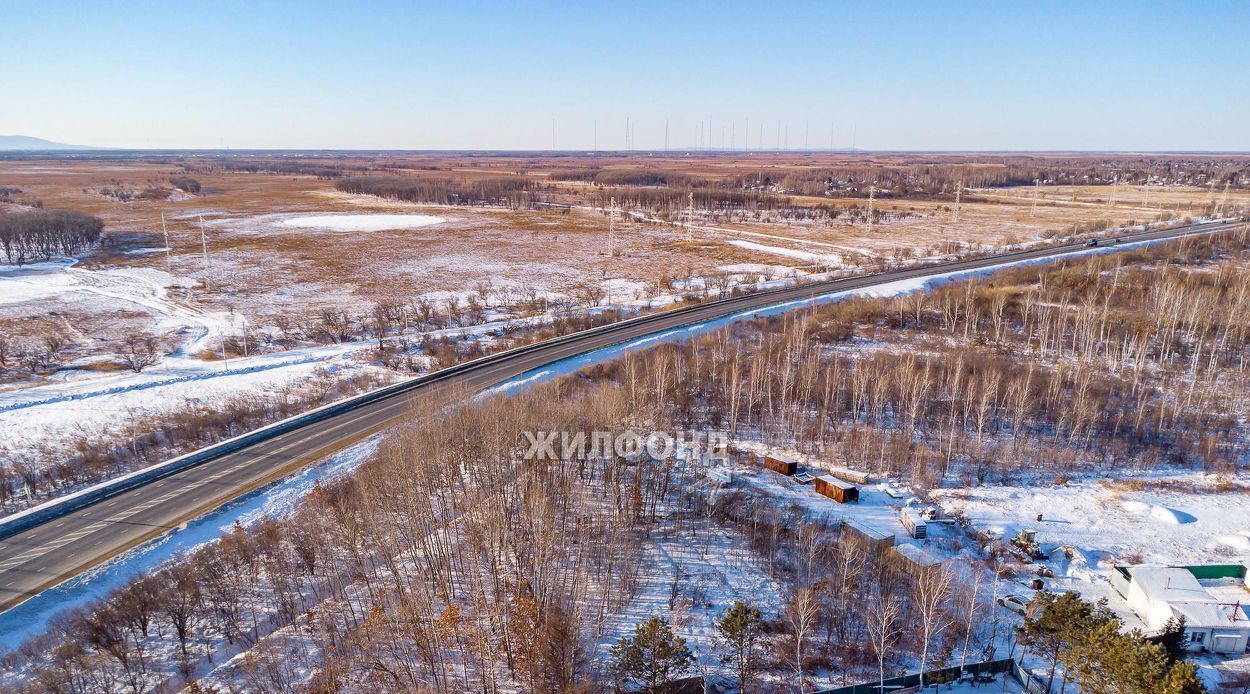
<point>273,266</point>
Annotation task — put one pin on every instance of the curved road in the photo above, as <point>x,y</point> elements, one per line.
<point>43,556</point>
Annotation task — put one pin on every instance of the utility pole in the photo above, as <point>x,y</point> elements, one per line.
<point>596,135</point>
<point>244,319</point>
<point>165,231</point>
<point>746,136</point>
<point>1219,208</point>
<point>807,133</point>
<point>665,134</point>
<point>831,130</point>
<point>690,218</point>
<point>612,229</point>
<point>208,268</point>
<point>1037,189</point>
<point>959,189</point>
<point>872,196</point>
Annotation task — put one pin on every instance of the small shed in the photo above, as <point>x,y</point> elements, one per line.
<point>875,538</point>
<point>915,560</point>
<point>783,464</point>
<point>804,478</point>
<point>836,489</point>
<point>916,525</point>
<point>846,473</point>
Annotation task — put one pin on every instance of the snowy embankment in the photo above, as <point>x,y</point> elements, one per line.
<point>32,617</point>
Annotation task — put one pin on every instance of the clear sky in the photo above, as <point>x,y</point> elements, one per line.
<point>492,75</point>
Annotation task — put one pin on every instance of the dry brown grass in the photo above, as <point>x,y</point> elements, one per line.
<point>264,274</point>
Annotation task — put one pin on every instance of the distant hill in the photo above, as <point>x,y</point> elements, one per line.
<point>15,143</point>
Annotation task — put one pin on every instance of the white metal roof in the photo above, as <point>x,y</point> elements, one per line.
<point>1187,597</point>
<point>917,555</point>
<point>1168,583</point>
<point>870,531</point>
<point>834,481</point>
<point>1211,614</point>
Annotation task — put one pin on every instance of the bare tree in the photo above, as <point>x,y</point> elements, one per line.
<point>801,611</point>
<point>884,620</point>
<point>138,351</point>
<point>931,593</point>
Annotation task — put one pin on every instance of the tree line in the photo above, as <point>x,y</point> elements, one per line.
<point>514,192</point>
<point>38,234</point>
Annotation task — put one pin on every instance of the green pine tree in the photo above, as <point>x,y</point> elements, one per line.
<point>1173,639</point>
<point>741,632</point>
<point>651,657</point>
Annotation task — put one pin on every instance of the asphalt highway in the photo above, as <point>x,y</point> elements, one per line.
<point>61,548</point>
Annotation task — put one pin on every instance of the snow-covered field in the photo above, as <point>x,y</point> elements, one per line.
<point>1181,519</point>
<point>51,415</point>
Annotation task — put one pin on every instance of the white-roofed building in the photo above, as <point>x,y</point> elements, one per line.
<point>1212,600</point>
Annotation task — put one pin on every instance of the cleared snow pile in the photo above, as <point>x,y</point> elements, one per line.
<point>1171,516</point>
<point>1163,514</point>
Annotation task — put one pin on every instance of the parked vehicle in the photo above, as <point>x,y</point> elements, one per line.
<point>1014,604</point>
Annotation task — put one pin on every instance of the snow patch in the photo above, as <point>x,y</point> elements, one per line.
<point>362,222</point>
<point>822,258</point>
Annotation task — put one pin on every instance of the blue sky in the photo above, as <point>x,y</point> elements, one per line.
<point>492,75</point>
